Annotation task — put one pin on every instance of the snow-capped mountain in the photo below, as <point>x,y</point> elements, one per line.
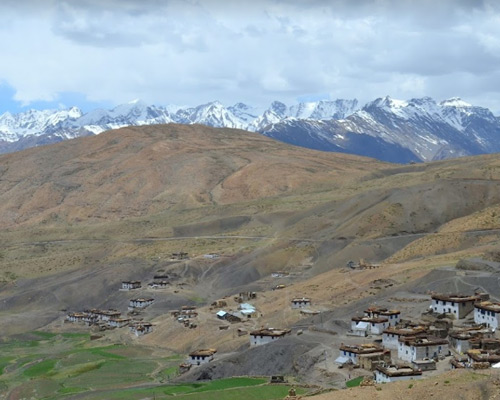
<point>386,128</point>
<point>426,130</point>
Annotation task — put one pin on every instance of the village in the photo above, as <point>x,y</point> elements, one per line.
<point>441,332</point>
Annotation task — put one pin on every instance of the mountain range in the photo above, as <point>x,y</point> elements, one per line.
<point>387,129</point>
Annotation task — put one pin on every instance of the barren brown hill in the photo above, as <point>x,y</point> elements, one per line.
<point>80,216</point>
<point>138,171</point>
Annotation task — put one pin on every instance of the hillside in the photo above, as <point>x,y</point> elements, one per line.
<point>79,217</point>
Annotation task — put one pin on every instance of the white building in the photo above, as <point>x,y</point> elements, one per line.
<point>457,305</point>
<point>158,285</point>
<point>301,302</point>
<point>141,328</point>
<point>118,322</point>
<point>130,285</point>
<point>362,326</point>
<point>487,313</point>
<point>391,336</point>
<point>461,339</point>
<point>140,303</point>
<point>394,374</point>
<point>203,356</point>
<point>351,353</point>
<point>267,335</point>
<point>420,347</point>
<point>394,316</point>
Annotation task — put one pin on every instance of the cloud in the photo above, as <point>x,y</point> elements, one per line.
<point>189,52</point>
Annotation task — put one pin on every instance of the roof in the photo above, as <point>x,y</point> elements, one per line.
<point>221,313</point>
<point>394,371</point>
<point>382,311</point>
<point>301,300</point>
<point>422,341</point>
<point>246,306</point>
<point>405,331</point>
<point>361,348</point>
<point>141,300</point>
<point>273,332</point>
<point>203,353</point>
<point>362,325</point>
<point>456,298</point>
<point>132,282</point>
<point>489,306</point>
<point>373,320</point>
<point>490,356</point>
<point>342,360</point>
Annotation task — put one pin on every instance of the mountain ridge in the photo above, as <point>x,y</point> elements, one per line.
<point>388,129</point>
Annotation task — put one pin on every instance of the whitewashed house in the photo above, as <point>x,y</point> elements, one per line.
<point>362,326</point>
<point>488,313</point>
<point>140,303</point>
<point>267,335</point>
<point>76,316</point>
<point>131,285</point>
<point>392,335</point>
<point>203,356</point>
<point>352,353</point>
<point>394,316</point>
<point>386,374</point>
<point>158,285</point>
<point>420,347</point>
<point>118,322</point>
<point>301,302</point>
<point>461,340</point>
<point>455,304</point>
<point>141,328</point>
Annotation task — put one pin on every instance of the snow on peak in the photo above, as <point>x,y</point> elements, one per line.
<point>454,102</point>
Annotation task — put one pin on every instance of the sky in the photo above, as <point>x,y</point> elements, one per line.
<point>101,53</point>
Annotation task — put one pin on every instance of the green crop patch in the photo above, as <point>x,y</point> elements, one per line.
<point>39,369</point>
<point>354,382</point>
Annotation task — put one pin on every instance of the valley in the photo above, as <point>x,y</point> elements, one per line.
<point>80,217</point>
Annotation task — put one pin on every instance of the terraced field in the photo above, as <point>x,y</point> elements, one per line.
<point>44,365</point>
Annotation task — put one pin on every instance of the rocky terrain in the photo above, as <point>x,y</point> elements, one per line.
<point>80,217</point>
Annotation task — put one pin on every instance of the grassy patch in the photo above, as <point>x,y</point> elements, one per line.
<point>354,382</point>
<point>41,368</point>
<point>223,389</point>
<point>44,335</point>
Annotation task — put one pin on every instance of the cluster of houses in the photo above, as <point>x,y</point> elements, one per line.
<point>109,319</point>
<point>245,310</point>
<point>408,349</point>
<point>186,316</point>
<point>134,285</point>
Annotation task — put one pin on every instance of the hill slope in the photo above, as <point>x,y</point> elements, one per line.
<point>80,217</point>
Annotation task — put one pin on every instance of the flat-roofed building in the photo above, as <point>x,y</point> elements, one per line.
<point>140,303</point>
<point>394,316</point>
<point>131,285</point>
<point>118,322</point>
<point>202,356</point>
<point>462,339</point>
<point>480,358</point>
<point>362,326</point>
<point>301,302</point>
<point>421,347</point>
<point>351,353</point>
<point>267,335</point>
<point>141,328</point>
<point>392,335</point>
<point>487,312</point>
<point>455,304</point>
<point>393,373</point>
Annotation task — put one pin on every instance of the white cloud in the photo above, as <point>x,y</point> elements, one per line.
<point>189,52</point>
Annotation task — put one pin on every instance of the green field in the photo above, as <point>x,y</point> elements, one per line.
<point>44,365</point>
